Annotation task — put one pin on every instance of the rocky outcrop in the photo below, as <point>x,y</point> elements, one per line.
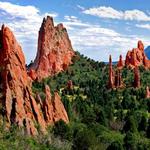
<point>120,63</point>
<point>115,79</point>
<point>19,107</point>
<point>137,57</point>
<point>16,101</point>
<point>54,52</point>
<point>53,108</point>
<point>136,83</point>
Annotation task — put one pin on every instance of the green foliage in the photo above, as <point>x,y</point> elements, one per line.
<point>99,118</point>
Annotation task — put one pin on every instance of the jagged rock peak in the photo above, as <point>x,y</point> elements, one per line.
<point>54,52</point>
<point>137,57</point>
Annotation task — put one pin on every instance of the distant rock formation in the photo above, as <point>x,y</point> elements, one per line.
<point>147,92</point>
<point>137,57</point>
<point>54,52</point>
<point>17,104</point>
<point>120,63</point>
<point>111,74</point>
<point>115,79</point>
<point>137,82</point>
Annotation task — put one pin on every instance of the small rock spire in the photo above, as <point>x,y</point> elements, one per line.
<point>120,63</point>
<point>111,74</point>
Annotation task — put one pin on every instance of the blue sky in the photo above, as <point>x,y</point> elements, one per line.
<point>96,28</point>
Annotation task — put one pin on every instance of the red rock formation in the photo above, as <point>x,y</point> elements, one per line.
<point>115,80</point>
<point>17,103</point>
<point>53,108</point>
<point>120,63</point>
<point>137,57</point>
<point>136,78</point>
<point>147,92</point>
<point>32,74</point>
<point>54,50</point>
<point>111,74</point>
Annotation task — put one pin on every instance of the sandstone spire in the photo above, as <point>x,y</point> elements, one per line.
<point>111,74</point>
<point>54,52</point>
<point>120,63</point>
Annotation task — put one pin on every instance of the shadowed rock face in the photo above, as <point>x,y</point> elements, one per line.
<point>54,52</point>
<point>16,101</point>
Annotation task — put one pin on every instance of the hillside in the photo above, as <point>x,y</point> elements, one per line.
<point>112,118</point>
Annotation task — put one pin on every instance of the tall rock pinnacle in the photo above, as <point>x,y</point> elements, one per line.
<point>111,74</point>
<point>54,52</point>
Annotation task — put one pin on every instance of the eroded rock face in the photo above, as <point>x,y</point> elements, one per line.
<point>137,57</point>
<point>53,108</point>
<point>54,52</point>
<point>17,103</point>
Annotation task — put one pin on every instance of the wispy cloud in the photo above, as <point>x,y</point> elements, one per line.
<point>144,26</point>
<point>98,42</point>
<point>109,12</point>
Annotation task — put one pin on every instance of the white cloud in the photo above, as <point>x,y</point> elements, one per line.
<point>71,18</point>
<point>109,12</point>
<point>25,21</point>
<point>144,26</point>
<point>98,43</point>
<point>80,7</point>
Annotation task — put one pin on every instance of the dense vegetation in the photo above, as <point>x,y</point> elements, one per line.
<point>99,118</point>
